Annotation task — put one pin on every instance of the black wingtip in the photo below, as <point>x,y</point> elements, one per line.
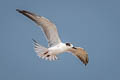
<point>19,10</point>
<point>22,11</point>
<point>28,14</point>
<point>85,64</point>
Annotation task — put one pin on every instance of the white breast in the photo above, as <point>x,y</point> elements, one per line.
<point>60,48</point>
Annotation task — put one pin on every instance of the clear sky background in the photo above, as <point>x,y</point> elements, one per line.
<point>91,24</point>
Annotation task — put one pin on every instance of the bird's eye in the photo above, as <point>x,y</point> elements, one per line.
<point>68,44</point>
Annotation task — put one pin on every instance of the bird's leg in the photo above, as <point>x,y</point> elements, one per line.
<point>45,53</point>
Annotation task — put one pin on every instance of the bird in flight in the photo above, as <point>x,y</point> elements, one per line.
<point>55,45</point>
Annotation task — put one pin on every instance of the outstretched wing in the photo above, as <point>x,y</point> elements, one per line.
<point>81,54</point>
<point>48,27</point>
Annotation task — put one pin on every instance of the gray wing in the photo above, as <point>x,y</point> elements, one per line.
<point>81,54</point>
<point>48,27</point>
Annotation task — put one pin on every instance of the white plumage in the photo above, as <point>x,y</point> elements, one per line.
<point>55,45</point>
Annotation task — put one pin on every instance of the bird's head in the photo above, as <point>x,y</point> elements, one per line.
<point>69,45</point>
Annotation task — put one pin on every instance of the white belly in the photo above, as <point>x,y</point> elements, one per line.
<point>60,48</point>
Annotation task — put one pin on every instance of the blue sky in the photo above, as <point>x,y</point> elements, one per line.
<point>91,24</point>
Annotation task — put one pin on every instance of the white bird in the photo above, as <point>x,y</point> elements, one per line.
<point>55,45</point>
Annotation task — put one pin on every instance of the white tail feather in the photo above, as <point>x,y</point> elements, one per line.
<point>43,53</point>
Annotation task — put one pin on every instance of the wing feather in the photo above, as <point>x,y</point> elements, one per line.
<point>81,54</point>
<point>48,27</point>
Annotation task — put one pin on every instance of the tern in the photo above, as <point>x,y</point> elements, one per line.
<point>55,45</point>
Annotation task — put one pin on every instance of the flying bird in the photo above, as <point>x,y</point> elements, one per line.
<point>55,45</point>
